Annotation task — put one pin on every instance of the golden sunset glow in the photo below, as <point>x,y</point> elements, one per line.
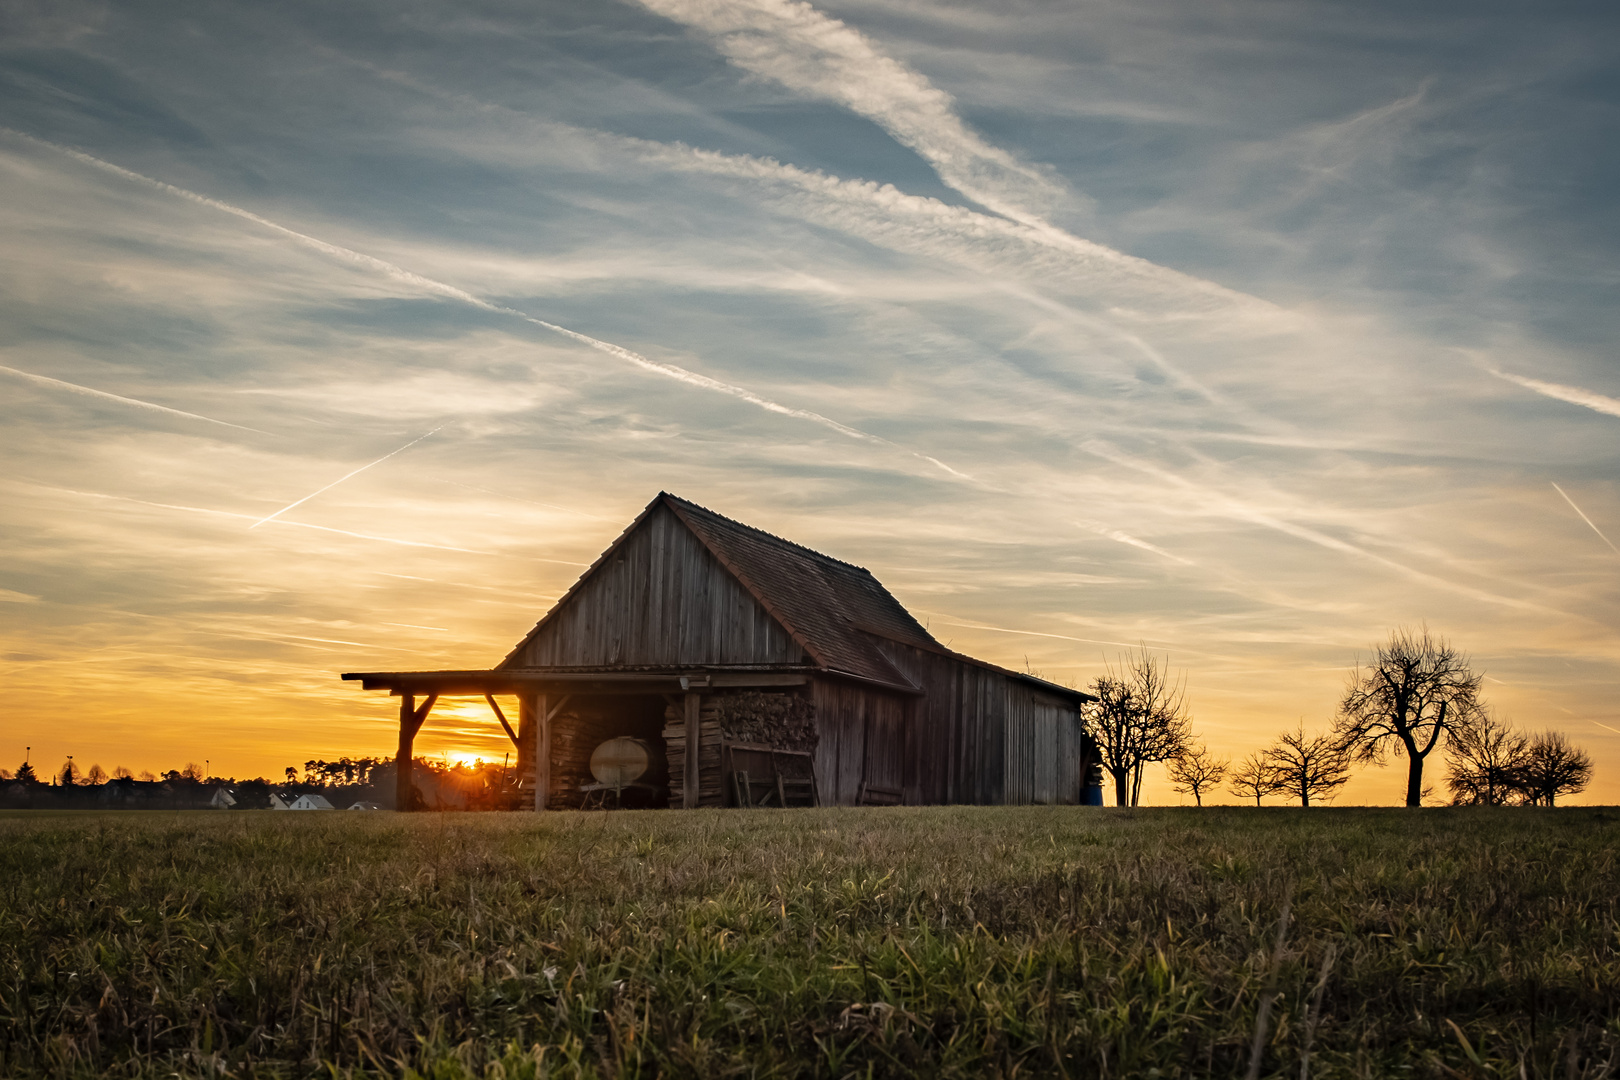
<point>1074,355</point>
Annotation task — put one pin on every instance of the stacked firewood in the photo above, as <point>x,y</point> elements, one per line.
<point>710,790</point>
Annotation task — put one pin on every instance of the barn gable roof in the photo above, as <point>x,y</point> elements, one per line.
<point>830,607</point>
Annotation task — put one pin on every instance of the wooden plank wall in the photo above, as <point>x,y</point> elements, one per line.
<point>861,736</point>
<point>1044,748</point>
<point>661,599</point>
<point>956,737</point>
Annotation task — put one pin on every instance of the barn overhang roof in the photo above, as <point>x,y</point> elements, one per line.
<point>604,680</point>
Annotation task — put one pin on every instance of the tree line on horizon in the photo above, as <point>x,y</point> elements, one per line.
<point>1418,694</point>
<point>317,773</point>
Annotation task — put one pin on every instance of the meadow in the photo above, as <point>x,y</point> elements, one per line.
<point>955,941</point>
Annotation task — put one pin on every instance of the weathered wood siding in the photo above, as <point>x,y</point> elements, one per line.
<point>861,738</point>
<point>980,736</point>
<point>956,734</point>
<point>661,599</point>
<point>1045,748</point>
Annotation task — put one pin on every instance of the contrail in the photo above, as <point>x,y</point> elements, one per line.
<point>1127,538</point>
<point>289,524</point>
<point>46,380</point>
<point>1026,633</point>
<point>448,291</point>
<point>1572,394</point>
<point>342,478</point>
<point>1586,519</point>
<point>1606,727</point>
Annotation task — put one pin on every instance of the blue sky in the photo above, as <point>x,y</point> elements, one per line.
<point>1249,331</point>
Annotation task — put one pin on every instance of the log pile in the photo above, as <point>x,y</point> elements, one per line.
<point>573,737</point>
<point>710,789</point>
<point>786,721</point>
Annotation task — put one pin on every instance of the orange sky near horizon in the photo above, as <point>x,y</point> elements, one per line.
<point>265,695</point>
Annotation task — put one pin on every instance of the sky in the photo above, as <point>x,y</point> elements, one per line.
<point>343,337</point>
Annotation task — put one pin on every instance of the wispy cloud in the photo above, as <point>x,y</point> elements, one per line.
<point>890,216</point>
<point>410,278</point>
<point>102,395</point>
<point>804,50</point>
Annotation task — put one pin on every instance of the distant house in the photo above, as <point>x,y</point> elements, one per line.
<point>790,675</point>
<point>310,801</point>
<point>365,806</point>
<point>222,800</point>
<point>278,803</point>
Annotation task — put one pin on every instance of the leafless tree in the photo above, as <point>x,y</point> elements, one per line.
<point>1553,766</point>
<point>1195,770</point>
<point>1485,761</point>
<point>1416,690</point>
<point>193,772</point>
<point>1140,717</point>
<point>1254,778</point>
<point>1309,767</point>
<point>97,775</point>
<point>121,773</point>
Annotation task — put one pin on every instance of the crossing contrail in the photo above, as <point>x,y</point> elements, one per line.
<point>1586,519</point>
<point>58,384</point>
<point>342,478</point>
<point>451,292</point>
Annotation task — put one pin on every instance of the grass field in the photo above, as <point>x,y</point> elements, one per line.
<point>946,942</point>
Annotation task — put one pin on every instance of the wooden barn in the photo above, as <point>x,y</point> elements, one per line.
<point>797,677</point>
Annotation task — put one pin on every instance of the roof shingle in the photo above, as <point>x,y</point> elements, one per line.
<point>829,605</point>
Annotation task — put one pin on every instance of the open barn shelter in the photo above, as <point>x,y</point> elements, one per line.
<point>750,670</point>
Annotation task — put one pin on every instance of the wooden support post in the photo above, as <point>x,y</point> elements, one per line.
<point>694,749</point>
<point>542,753</point>
<point>410,722</point>
<point>402,757</point>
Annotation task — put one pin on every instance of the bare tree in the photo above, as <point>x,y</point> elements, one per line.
<point>1553,766</point>
<point>1484,762</point>
<point>121,773</point>
<point>1195,770</point>
<point>1416,691</point>
<point>193,772</point>
<point>1313,767</point>
<point>1140,717</point>
<point>97,775</point>
<point>1254,778</point>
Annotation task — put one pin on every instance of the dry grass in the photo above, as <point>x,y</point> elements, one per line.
<point>949,942</point>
